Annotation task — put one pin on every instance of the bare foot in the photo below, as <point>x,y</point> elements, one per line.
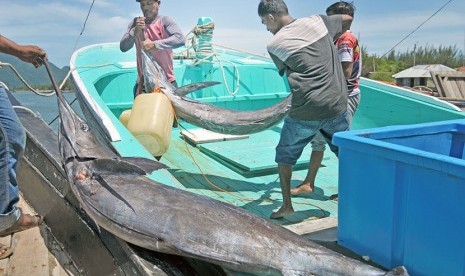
<point>282,212</point>
<point>302,189</point>
<point>334,197</point>
<point>5,251</point>
<point>24,222</point>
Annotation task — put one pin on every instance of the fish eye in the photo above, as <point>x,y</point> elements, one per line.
<point>84,127</point>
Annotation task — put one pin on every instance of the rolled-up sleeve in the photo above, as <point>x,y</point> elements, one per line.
<point>175,39</point>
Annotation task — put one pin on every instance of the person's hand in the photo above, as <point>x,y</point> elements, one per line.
<point>32,54</point>
<point>140,25</point>
<point>148,45</point>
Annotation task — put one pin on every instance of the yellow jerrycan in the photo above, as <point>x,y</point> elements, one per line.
<point>124,117</point>
<point>151,121</point>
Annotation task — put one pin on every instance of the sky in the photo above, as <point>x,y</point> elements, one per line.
<point>56,25</point>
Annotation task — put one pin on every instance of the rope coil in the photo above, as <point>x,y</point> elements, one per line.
<point>200,42</point>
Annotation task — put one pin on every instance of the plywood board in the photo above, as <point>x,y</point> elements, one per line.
<point>256,154</point>
<point>201,136</point>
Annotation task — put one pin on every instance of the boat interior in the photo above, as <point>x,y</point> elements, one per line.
<point>239,170</point>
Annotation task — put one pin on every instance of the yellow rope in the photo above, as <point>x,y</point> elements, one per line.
<point>159,90</point>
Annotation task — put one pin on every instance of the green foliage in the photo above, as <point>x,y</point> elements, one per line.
<point>375,67</point>
<point>382,68</point>
<point>382,76</point>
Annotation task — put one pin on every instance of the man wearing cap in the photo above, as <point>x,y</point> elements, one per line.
<point>158,35</point>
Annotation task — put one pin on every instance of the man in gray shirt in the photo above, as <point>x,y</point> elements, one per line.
<point>303,50</point>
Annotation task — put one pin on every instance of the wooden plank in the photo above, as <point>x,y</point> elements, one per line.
<point>311,226</point>
<point>434,76</point>
<point>450,91</point>
<point>450,84</point>
<point>259,151</point>
<point>200,136</point>
<point>455,86</point>
<point>461,85</point>
<point>323,230</point>
<point>31,256</point>
<point>455,74</point>
<point>440,86</point>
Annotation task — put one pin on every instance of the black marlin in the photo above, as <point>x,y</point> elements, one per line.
<point>118,196</point>
<point>208,116</point>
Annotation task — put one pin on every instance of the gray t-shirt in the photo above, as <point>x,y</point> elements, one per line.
<point>305,52</point>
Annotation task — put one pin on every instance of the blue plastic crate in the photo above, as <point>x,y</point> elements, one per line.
<point>402,196</point>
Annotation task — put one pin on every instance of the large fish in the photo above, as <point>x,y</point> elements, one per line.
<point>208,116</point>
<point>118,196</point>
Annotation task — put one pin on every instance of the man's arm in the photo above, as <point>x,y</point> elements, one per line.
<point>280,65</point>
<point>347,67</point>
<point>337,24</point>
<point>347,46</point>
<point>175,40</point>
<point>346,22</point>
<point>129,38</point>
<point>27,53</point>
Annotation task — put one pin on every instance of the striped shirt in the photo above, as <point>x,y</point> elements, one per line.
<point>304,51</point>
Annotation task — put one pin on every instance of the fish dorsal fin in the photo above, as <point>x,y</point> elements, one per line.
<point>137,166</point>
<point>187,89</point>
<point>145,164</point>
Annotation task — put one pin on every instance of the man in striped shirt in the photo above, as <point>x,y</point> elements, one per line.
<point>351,60</point>
<point>303,50</point>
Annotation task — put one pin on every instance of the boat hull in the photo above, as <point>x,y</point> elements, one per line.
<point>240,172</point>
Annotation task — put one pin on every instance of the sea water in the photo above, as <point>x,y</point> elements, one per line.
<point>46,107</point>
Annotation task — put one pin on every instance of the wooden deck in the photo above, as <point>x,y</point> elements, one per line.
<point>35,252</point>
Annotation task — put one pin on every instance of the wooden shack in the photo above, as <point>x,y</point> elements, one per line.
<point>420,75</point>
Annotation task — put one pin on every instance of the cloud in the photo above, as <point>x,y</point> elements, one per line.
<point>253,41</point>
<point>98,4</point>
<point>55,25</point>
<point>379,36</point>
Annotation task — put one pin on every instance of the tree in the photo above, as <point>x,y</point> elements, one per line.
<point>382,68</point>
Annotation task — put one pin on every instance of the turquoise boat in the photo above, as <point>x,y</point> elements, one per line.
<point>239,170</point>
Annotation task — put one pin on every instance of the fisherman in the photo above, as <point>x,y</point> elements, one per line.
<point>351,61</point>
<point>303,50</point>
<point>156,34</point>
<point>12,143</point>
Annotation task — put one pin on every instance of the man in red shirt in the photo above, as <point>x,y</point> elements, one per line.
<point>156,34</point>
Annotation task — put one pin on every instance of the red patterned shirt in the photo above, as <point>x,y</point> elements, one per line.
<point>350,51</point>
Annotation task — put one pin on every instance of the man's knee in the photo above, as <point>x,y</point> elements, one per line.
<point>17,138</point>
<point>319,145</point>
